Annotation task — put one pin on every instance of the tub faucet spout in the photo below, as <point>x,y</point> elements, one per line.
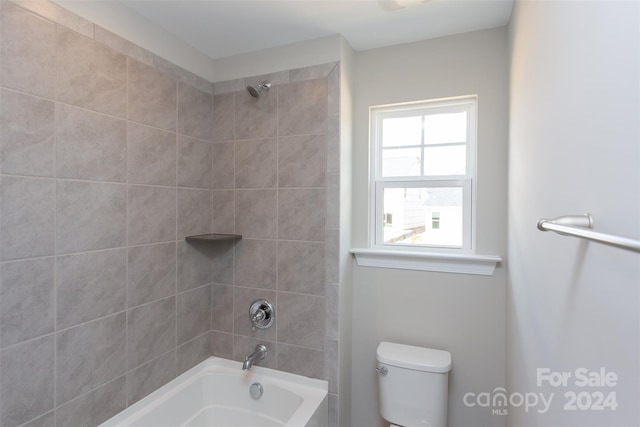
<point>259,353</point>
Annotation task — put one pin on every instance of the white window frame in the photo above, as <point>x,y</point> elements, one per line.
<point>467,181</point>
<point>462,260</point>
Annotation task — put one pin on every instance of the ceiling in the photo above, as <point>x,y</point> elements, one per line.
<point>223,28</point>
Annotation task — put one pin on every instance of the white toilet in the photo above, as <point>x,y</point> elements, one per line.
<point>413,383</point>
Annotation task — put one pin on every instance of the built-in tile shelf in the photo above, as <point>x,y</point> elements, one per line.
<point>214,237</point>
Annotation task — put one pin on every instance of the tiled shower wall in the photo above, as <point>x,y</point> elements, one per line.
<point>109,156</point>
<point>275,180</point>
<point>105,161</point>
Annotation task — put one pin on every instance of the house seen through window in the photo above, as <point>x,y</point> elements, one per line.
<point>423,174</point>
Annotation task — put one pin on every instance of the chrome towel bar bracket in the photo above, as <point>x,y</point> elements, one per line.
<point>580,226</point>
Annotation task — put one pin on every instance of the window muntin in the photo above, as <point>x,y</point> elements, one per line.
<point>423,162</point>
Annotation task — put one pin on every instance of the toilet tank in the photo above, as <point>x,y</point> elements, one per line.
<point>413,384</point>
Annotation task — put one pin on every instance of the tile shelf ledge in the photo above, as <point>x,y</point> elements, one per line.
<point>214,237</point>
<point>483,265</point>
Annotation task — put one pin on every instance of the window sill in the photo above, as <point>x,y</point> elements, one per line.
<point>483,265</point>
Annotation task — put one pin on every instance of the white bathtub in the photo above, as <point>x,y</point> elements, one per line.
<point>215,393</point>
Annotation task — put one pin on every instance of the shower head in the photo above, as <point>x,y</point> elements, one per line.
<point>254,91</point>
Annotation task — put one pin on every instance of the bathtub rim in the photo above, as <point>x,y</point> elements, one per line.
<point>314,392</point>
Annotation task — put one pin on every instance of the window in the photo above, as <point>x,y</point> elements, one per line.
<point>423,174</point>
<point>435,220</point>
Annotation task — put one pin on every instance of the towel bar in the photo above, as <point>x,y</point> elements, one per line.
<point>580,225</point>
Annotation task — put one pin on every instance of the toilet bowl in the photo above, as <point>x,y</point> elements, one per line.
<point>413,384</point>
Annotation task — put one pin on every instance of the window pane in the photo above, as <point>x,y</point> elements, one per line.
<point>402,131</point>
<point>423,216</point>
<point>401,162</point>
<point>445,128</point>
<point>445,160</point>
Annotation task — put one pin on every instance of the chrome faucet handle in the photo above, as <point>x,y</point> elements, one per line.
<point>258,315</point>
<point>261,314</point>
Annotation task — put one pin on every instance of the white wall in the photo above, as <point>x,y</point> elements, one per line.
<point>574,148</point>
<point>463,314</point>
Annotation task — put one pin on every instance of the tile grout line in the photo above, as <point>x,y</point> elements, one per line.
<point>126,283</point>
<point>179,244</point>
<point>55,230</point>
<point>277,236</point>
<point>235,198</point>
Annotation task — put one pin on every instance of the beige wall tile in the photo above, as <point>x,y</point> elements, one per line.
<point>333,144</point>
<point>300,361</point>
<point>59,15</point>
<point>256,118</point>
<point>301,214</point>
<point>301,267</point>
<point>313,72</point>
<point>222,308</point>
<point>151,155</point>
<point>223,170</point>
<point>90,355</point>
<point>222,344</point>
<point>255,265</point>
<point>123,46</point>
<point>27,52</point>
<point>27,132</point>
<point>27,370</point>
<point>333,92</point>
<point>195,109</point>
<point>181,75</point>
<point>27,307</point>
<point>194,265</point>
<point>194,212</point>
<point>256,213</point>
<point>151,376</point>
<point>229,86</point>
<point>90,285</point>
<point>302,107</point>
<point>151,214</point>
<point>224,117</point>
<point>27,223</point>
<point>224,220</point>
<point>151,272</point>
<point>194,313</point>
<point>333,200</point>
<point>302,161</point>
<point>256,163</point>
<point>151,331</point>
<point>193,352</point>
<point>98,81</point>
<point>95,407</point>
<point>90,216</point>
<point>332,295</point>
<point>152,96</point>
<point>90,145</point>
<point>194,162</point>
<point>298,320</point>
<point>222,260</point>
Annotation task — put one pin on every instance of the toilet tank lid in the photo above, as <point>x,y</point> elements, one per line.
<point>411,357</point>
